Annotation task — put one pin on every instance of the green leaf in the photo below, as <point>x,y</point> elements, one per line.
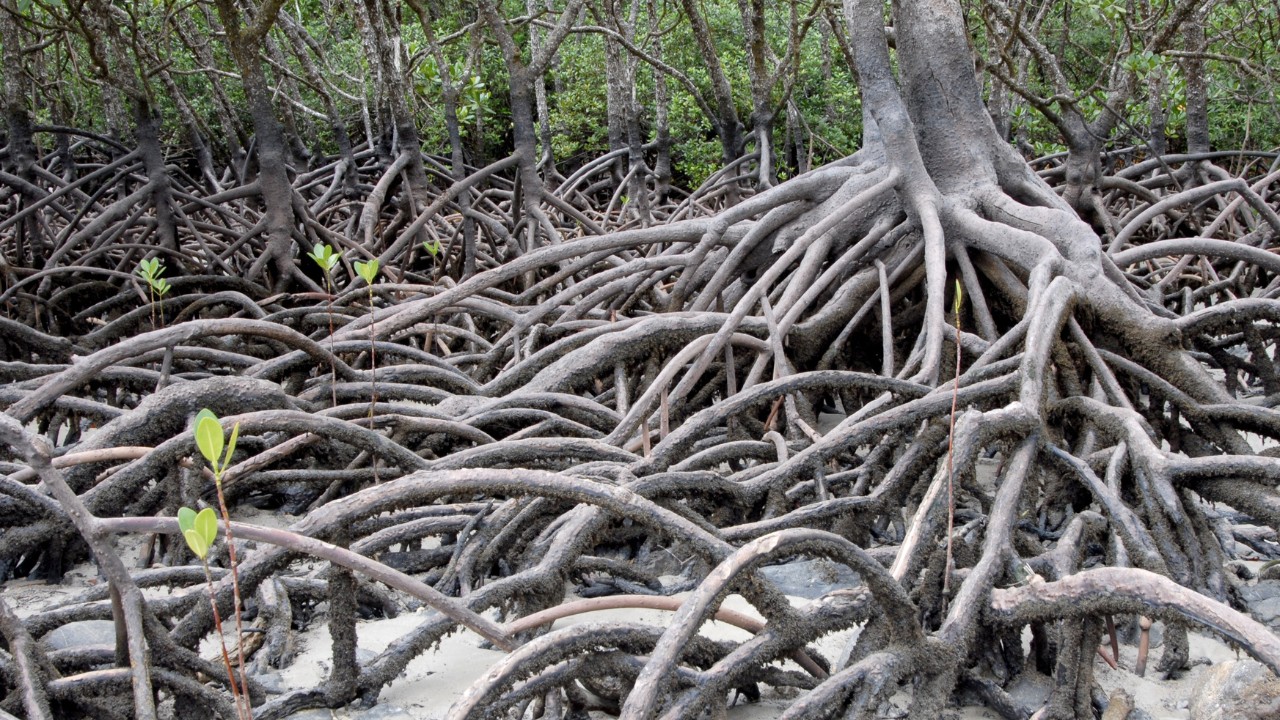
<point>431,246</point>
<point>206,526</point>
<point>150,270</point>
<point>959,298</point>
<point>324,256</point>
<point>209,438</point>
<point>368,270</point>
<point>196,543</point>
<point>231,444</point>
<point>186,519</point>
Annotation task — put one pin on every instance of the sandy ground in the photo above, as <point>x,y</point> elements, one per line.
<point>433,681</point>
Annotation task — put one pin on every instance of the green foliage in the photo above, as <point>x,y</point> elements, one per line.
<point>324,256</point>
<point>1110,11</point>
<point>150,271</point>
<point>211,441</point>
<point>199,529</point>
<point>368,271</point>
<point>474,98</point>
<point>1142,63</point>
<point>1090,38</point>
<point>432,247</point>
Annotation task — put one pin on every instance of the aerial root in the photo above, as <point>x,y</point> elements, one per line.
<point>1103,591</point>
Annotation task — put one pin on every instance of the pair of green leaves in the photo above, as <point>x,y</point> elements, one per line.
<point>324,256</point>
<point>211,441</point>
<point>199,528</point>
<point>432,247</point>
<point>368,270</point>
<point>151,270</point>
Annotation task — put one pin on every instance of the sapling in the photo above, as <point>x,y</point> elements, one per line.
<point>150,271</point>
<point>433,249</point>
<point>200,530</point>
<point>327,259</point>
<point>368,271</point>
<point>956,303</point>
<point>211,441</point>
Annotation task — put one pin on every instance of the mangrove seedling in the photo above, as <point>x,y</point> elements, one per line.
<point>433,248</point>
<point>217,449</point>
<point>327,259</point>
<point>368,271</point>
<point>151,271</point>
<point>200,529</point>
<point>956,303</point>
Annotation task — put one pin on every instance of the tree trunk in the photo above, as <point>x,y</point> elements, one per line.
<point>1197,87</point>
<point>546,157</point>
<point>762,113</point>
<point>233,135</point>
<point>1157,129</point>
<point>21,144</point>
<point>728,126</point>
<point>387,54</point>
<point>273,170</point>
<point>616,102</point>
<point>457,160</point>
<point>147,127</point>
<point>301,42</point>
<point>661,115</point>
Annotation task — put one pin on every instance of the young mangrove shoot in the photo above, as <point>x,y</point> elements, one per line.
<point>956,303</point>
<point>327,259</point>
<point>368,271</point>
<point>157,287</point>
<point>200,529</point>
<point>217,449</point>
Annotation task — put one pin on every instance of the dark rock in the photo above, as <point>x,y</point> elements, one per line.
<point>1263,600</point>
<point>810,578</point>
<point>382,712</point>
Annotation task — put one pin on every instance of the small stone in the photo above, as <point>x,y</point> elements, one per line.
<point>1119,705</point>
<point>1267,611</point>
<point>383,712</point>
<point>1236,690</point>
<point>272,682</point>
<point>310,715</point>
